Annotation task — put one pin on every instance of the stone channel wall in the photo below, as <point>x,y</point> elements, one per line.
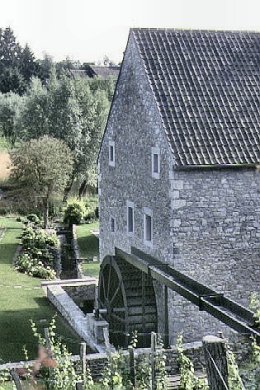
<point>82,324</point>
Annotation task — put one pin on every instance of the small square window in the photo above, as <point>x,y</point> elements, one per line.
<point>112,159</point>
<point>156,163</point>
<point>112,225</point>
<point>130,218</point>
<point>148,227</point>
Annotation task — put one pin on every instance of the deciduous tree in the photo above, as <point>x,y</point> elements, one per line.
<point>10,109</point>
<point>43,166</point>
<point>71,111</point>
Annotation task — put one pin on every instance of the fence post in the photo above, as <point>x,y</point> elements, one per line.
<point>83,356</point>
<point>47,338</point>
<point>16,379</point>
<point>79,385</point>
<point>216,362</point>
<point>132,364</point>
<point>108,348</point>
<point>153,352</point>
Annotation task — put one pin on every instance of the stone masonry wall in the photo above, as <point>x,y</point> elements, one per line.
<point>215,231</point>
<point>135,127</point>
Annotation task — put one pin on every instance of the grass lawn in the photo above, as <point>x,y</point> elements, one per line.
<point>22,299</point>
<point>88,245</point>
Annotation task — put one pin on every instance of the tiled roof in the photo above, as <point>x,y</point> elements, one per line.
<point>206,84</point>
<point>91,71</point>
<point>106,71</point>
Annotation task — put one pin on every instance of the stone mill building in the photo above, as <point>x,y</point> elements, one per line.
<point>178,175</point>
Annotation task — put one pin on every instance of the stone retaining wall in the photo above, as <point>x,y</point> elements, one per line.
<point>79,294</point>
<point>72,313</point>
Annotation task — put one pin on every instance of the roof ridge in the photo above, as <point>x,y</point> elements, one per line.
<point>192,30</point>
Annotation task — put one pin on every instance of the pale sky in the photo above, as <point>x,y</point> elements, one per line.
<point>89,29</point>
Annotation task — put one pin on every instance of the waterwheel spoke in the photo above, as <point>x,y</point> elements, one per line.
<point>104,286</point>
<point>115,293</point>
<point>109,279</point>
<point>126,293</point>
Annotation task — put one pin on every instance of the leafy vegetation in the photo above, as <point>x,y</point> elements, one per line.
<point>74,212</point>
<point>17,64</point>
<point>10,110</point>
<point>38,252</point>
<point>189,380</point>
<point>91,204</point>
<point>4,144</point>
<point>55,369</point>
<point>43,167</point>
<point>22,299</point>
<point>40,98</point>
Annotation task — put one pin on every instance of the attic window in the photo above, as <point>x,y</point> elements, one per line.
<point>156,163</point>
<point>148,227</point>
<point>112,159</point>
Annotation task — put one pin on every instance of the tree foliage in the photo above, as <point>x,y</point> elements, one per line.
<point>17,64</point>
<point>71,111</point>
<point>44,166</point>
<point>11,106</point>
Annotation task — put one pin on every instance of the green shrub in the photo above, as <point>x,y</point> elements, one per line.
<point>33,218</point>
<point>38,253</point>
<point>3,211</point>
<point>32,266</point>
<point>33,238</point>
<point>91,205</point>
<point>74,212</point>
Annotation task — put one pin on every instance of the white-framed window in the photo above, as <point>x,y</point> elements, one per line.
<point>156,163</point>
<point>112,225</point>
<point>148,226</point>
<point>112,156</point>
<point>130,218</point>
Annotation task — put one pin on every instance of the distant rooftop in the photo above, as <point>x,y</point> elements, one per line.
<point>103,72</point>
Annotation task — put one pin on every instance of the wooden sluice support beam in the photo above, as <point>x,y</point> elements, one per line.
<point>216,304</point>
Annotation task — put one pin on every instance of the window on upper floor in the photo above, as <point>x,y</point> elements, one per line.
<point>148,226</point>
<point>130,218</point>
<point>156,163</point>
<point>112,157</point>
<point>112,225</point>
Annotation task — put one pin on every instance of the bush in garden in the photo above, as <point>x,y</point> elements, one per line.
<point>74,212</point>
<point>38,253</point>
<point>91,205</point>
<point>32,266</point>
<point>33,238</point>
<point>33,218</point>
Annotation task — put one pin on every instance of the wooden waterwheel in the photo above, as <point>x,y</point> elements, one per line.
<point>127,301</point>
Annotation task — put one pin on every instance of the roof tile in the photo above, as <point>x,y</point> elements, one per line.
<point>206,84</point>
